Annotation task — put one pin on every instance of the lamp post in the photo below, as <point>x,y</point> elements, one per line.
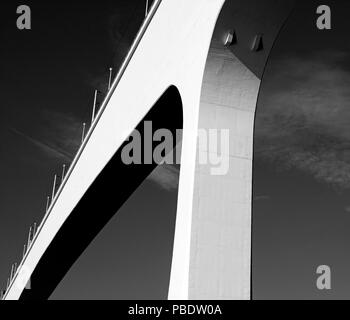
<point>110,78</point>
<point>146,12</point>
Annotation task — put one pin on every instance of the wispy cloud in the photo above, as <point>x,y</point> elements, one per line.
<point>56,134</point>
<point>123,25</point>
<point>51,151</point>
<point>166,176</point>
<point>303,120</point>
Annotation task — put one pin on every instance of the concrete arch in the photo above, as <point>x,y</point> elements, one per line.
<point>211,256</point>
<point>100,203</point>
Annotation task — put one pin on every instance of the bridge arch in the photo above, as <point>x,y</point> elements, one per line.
<point>179,45</point>
<point>101,202</point>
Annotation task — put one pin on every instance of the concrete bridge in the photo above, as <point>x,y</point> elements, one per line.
<point>194,64</point>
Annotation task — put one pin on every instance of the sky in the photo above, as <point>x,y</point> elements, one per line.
<point>302,160</point>
<point>301,209</point>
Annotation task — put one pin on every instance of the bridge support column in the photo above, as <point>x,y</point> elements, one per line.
<point>219,245</point>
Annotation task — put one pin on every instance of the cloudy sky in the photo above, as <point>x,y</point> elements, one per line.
<point>302,160</point>
<point>301,171</point>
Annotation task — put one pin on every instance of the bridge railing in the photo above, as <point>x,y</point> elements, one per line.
<point>59,181</point>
